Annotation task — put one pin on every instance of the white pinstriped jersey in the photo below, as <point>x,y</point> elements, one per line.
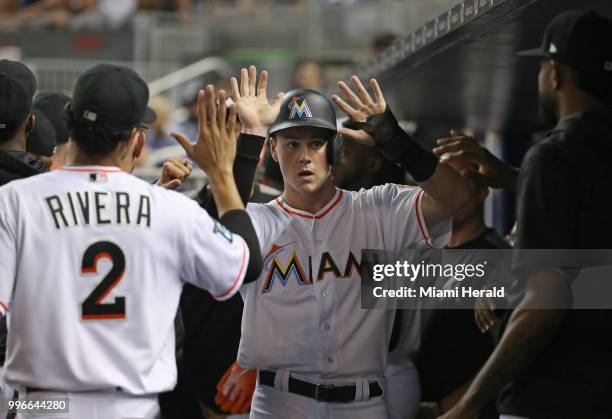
<point>92,266</point>
<point>304,312</point>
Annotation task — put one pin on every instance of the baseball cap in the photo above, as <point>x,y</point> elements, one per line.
<point>17,87</point>
<point>112,96</point>
<point>52,104</point>
<point>41,140</point>
<point>580,40</point>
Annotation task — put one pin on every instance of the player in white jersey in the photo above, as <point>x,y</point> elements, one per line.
<point>320,355</point>
<point>94,259</point>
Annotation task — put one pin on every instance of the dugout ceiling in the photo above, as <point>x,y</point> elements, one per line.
<point>461,69</point>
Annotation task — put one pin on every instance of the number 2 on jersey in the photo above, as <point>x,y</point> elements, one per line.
<point>93,308</point>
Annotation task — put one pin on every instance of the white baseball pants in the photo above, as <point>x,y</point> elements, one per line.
<point>97,405</point>
<point>271,403</point>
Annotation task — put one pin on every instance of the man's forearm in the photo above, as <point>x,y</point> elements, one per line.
<point>446,191</point>
<point>527,334</point>
<point>224,192</point>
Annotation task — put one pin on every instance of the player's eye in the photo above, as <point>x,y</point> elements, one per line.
<point>293,145</point>
<point>317,144</point>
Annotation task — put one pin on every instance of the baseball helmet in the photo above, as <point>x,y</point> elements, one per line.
<point>307,108</point>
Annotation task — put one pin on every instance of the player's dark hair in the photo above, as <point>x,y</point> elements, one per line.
<point>94,139</point>
<point>594,86</point>
<point>7,136</point>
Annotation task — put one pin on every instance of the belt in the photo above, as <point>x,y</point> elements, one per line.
<point>320,392</point>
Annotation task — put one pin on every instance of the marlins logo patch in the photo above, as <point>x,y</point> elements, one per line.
<point>221,229</point>
<point>299,108</point>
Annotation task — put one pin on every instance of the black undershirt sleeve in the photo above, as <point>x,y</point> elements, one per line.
<point>247,157</point>
<point>239,222</point>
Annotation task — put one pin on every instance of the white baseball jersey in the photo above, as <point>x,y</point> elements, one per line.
<point>304,312</point>
<point>91,273</point>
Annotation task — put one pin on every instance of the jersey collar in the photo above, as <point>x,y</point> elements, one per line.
<point>280,201</point>
<point>87,168</point>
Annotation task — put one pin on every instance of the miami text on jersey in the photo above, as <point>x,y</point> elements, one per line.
<point>282,270</point>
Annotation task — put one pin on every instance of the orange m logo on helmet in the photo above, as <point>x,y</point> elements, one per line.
<point>299,108</point>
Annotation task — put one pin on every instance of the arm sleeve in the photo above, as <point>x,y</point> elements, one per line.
<point>8,260</point>
<point>398,146</point>
<point>399,208</point>
<point>247,157</point>
<point>546,215</point>
<point>239,222</point>
<point>215,258</point>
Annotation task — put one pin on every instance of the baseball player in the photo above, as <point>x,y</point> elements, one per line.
<point>358,166</point>
<point>318,354</point>
<point>52,106</point>
<point>112,253</point>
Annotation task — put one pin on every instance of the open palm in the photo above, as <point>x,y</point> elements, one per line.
<point>359,106</point>
<point>254,109</point>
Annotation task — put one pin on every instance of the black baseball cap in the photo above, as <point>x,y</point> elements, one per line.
<point>42,139</point>
<point>52,104</point>
<point>17,88</point>
<point>112,96</point>
<point>581,40</point>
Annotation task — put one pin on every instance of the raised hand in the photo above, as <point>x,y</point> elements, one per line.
<point>461,148</point>
<point>215,148</point>
<point>359,106</point>
<point>357,135</point>
<point>256,113</point>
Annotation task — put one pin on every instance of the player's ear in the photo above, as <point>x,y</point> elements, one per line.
<point>31,120</point>
<point>139,143</point>
<point>273,149</point>
<point>556,75</point>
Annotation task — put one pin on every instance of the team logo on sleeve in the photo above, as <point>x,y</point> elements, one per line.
<point>299,108</point>
<point>223,231</point>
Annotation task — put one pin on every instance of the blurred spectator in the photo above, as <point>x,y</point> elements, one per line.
<point>8,6</point>
<point>189,126</point>
<point>72,14</point>
<point>382,41</point>
<point>308,75</point>
<point>379,43</point>
<point>157,136</point>
<point>101,14</point>
<point>183,6</point>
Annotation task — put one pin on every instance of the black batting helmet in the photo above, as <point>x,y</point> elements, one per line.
<point>307,108</point>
